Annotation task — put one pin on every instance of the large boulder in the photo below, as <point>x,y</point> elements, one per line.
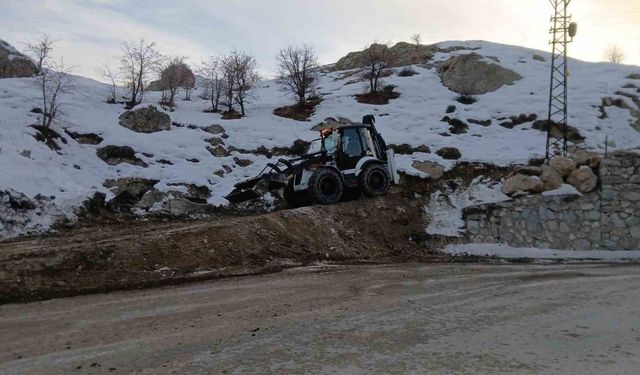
<point>551,178</point>
<point>563,165</point>
<point>521,183</point>
<point>145,120</point>
<point>583,179</point>
<point>14,64</point>
<point>472,74</point>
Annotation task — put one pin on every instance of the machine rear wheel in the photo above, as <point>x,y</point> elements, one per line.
<point>325,186</point>
<point>374,180</point>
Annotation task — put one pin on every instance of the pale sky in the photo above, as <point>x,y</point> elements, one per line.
<point>90,32</point>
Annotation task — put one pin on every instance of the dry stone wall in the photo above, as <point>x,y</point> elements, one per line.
<point>608,218</point>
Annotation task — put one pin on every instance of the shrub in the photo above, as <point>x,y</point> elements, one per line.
<point>466,99</point>
<point>407,72</point>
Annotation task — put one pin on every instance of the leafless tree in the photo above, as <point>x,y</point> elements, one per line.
<point>245,78</point>
<point>211,70</point>
<point>614,54</point>
<point>138,60</point>
<point>54,81</point>
<point>417,39</point>
<point>376,58</point>
<point>175,74</point>
<point>40,51</point>
<point>112,77</point>
<point>298,71</point>
<point>228,69</point>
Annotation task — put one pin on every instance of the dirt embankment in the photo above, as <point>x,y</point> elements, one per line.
<point>136,254</point>
<point>113,253</point>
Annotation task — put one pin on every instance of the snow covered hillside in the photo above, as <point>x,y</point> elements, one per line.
<point>180,155</point>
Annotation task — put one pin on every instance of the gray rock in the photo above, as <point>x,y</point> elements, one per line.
<point>145,120</point>
<point>218,151</point>
<point>434,170</point>
<point>583,179</point>
<point>242,162</point>
<point>563,165</point>
<point>550,178</point>
<point>214,129</point>
<point>185,207</point>
<point>449,153</point>
<point>538,57</point>
<point>522,183</point>
<point>528,170</point>
<point>133,185</point>
<point>471,74</point>
<point>114,155</point>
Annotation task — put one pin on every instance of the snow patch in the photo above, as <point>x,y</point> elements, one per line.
<point>445,208</point>
<point>508,252</point>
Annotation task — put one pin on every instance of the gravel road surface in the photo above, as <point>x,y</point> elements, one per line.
<point>396,319</point>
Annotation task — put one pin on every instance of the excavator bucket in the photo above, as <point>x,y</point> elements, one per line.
<point>254,188</point>
<point>244,191</point>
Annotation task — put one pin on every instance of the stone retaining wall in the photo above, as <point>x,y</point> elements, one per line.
<point>608,218</point>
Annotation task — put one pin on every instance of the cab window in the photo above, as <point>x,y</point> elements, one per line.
<point>351,144</point>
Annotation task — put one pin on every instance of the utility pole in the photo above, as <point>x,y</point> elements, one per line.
<point>562,32</point>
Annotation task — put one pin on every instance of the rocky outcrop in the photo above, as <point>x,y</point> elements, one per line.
<point>14,64</point>
<point>401,54</point>
<point>145,120</point>
<point>472,74</point>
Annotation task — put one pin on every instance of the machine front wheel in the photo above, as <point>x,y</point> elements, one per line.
<point>325,186</point>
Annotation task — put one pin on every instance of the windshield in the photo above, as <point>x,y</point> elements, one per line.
<point>315,146</point>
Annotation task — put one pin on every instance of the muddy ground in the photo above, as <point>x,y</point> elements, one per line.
<point>133,254</point>
<point>112,253</point>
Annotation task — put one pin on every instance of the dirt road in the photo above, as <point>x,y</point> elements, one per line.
<point>397,319</point>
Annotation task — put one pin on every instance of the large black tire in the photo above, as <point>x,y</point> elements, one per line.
<point>374,180</point>
<point>325,186</point>
<point>293,198</point>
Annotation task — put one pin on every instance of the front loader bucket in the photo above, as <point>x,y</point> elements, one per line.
<point>242,195</point>
<point>256,187</point>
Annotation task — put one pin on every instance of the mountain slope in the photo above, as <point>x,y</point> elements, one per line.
<point>75,173</point>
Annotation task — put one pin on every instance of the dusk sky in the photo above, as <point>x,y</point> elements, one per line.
<point>90,32</point>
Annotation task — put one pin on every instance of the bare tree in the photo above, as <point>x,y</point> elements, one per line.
<point>417,39</point>
<point>138,60</point>
<point>110,76</point>
<point>54,81</point>
<point>376,58</point>
<point>245,78</point>
<point>298,71</point>
<point>211,70</point>
<point>228,68</point>
<point>614,54</point>
<point>40,51</point>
